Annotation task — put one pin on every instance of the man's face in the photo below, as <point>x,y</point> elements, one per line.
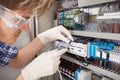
<point>10,35</point>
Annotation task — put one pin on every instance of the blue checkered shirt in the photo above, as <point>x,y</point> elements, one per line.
<point>7,53</point>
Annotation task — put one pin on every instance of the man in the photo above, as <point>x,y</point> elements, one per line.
<point>14,15</point>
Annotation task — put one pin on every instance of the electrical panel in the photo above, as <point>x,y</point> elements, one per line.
<point>74,71</point>
<point>79,49</point>
<point>96,44</point>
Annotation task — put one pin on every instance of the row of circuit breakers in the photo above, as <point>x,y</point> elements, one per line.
<point>103,50</point>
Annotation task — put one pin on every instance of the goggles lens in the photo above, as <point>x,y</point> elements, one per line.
<point>11,19</point>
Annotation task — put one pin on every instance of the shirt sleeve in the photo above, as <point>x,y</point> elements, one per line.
<point>7,53</point>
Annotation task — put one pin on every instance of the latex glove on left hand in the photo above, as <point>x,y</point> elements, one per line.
<point>56,33</point>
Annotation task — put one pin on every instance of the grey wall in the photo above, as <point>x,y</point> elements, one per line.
<point>45,22</point>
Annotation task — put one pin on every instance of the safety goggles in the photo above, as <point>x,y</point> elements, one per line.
<point>11,19</point>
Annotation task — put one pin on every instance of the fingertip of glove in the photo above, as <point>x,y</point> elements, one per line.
<point>63,50</point>
<point>71,39</point>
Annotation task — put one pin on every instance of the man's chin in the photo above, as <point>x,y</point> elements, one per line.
<point>11,42</point>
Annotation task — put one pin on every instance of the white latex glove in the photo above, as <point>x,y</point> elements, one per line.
<point>56,33</point>
<point>44,65</point>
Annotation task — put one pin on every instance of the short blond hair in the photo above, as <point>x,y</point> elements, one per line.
<point>40,5</point>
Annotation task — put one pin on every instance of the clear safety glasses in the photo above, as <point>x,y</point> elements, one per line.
<point>11,19</point>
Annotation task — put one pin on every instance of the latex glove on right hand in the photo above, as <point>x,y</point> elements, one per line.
<point>56,33</point>
<point>44,65</point>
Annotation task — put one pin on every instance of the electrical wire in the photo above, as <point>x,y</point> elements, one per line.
<point>60,74</point>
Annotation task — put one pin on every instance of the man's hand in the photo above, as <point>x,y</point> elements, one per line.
<point>45,64</point>
<point>56,33</point>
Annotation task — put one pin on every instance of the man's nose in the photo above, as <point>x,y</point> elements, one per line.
<point>25,27</point>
